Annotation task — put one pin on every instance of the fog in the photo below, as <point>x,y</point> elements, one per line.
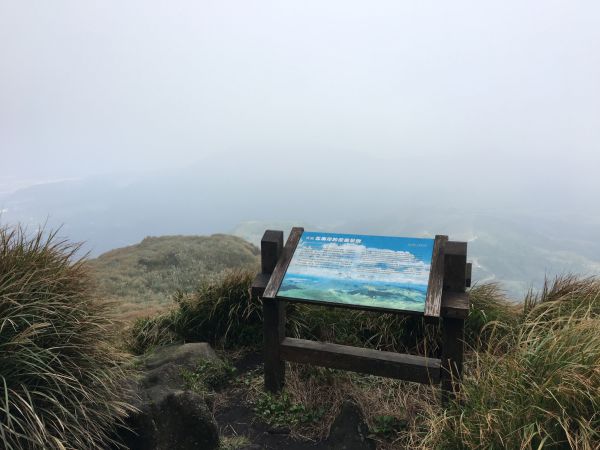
<point>502,94</point>
<point>365,115</point>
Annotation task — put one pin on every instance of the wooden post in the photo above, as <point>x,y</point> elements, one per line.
<point>271,248</point>
<point>455,280</point>
<point>452,356</point>
<point>433,301</point>
<point>448,300</point>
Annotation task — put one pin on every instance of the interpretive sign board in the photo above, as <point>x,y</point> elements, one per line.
<point>429,276</point>
<point>369,272</point>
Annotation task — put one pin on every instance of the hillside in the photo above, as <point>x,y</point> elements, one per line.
<point>518,245</point>
<point>142,277</point>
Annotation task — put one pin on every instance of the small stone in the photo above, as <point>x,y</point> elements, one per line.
<point>349,430</point>
<point>185,423</point>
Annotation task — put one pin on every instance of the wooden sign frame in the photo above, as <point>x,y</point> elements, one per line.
<point>433,296</point>
<point>446,300</point>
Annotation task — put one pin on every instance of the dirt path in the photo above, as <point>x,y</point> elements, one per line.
<point>236,418</point>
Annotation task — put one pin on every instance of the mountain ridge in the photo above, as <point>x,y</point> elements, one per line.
<point>141,278</point>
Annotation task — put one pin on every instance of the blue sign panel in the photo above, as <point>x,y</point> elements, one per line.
<point>358,270</point>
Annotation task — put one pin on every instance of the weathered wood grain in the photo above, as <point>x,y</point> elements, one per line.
<point>387,364</point>
<point>259,284</point>
<point>455,311</point>
<point>468,274</point>
<point>433,300</point>
<point>271,247</point>
<point>452,356</point>
<point>455,266</point>
<point>283,263</point>
<point>273,334</point>
<point>455,305</point>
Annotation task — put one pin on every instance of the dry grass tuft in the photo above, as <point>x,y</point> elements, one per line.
<point>391,407</point>
<point>61,381</point>
<point>535,387</point>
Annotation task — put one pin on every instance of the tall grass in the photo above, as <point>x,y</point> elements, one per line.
<point>532,375</point>
<point>537,386</point>
<point>220,311</point>
<point>61,382</point>
<point>141,277</point>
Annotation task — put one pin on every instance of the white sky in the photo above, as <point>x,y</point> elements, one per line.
<point>507,90</point>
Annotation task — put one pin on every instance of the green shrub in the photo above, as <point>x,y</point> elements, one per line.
<point>144,275</point>
<point>387,426</point>
<point>234,442</point>
<point>393,332</point>
<point>61,382</point>
<point>490,314</point>
<point>538,386</point>
<point>281,411</point>
<point>150,332</point>
<point>220,311</point>
<point>209,375</point>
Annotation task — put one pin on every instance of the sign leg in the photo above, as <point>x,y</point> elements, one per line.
<point>274,333</point>
<point>271,247</point>
<point>452,356</point>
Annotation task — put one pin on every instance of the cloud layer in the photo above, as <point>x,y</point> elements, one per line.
<point>359,263</point>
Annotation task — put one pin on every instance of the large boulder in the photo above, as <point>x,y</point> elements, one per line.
<point>349,430</point>
<point>168,416</point>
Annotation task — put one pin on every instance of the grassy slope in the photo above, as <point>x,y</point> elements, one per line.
<point>531,376</point>
<point>141,278</point>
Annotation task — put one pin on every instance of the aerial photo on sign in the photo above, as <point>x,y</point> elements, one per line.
<point>365,271</point>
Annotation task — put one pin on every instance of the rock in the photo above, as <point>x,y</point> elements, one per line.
<point>185,423</point>
<point>184,355</point>
<point>349,430</point>
<point>169,417</point>
<point>141,429</point>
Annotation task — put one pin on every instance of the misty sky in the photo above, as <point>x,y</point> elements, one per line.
<point>501,93</point>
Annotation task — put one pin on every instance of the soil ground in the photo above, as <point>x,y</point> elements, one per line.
<point>236,418</point>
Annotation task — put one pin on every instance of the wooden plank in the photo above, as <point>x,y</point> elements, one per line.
<point>387,364</point>
<point>273,312</point>
<point>433,300</point>
<point>468,275</point>
<point>453,324</point>
<point>273,334</point>
<point>455,266</point>
<point>456,248</point>
<point>455,305</point>
<point>259,284</point>
<point>283,263</point>
<point>271,245</point>
<point>452,356</point>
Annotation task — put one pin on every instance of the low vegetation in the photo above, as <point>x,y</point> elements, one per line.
<point>313,397</point>
<point>209,375</point>
<point>536,384</point>
<point>222,312</point>
<point>61,382</point>
<point>531,379</point>
<point>142,278</point>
